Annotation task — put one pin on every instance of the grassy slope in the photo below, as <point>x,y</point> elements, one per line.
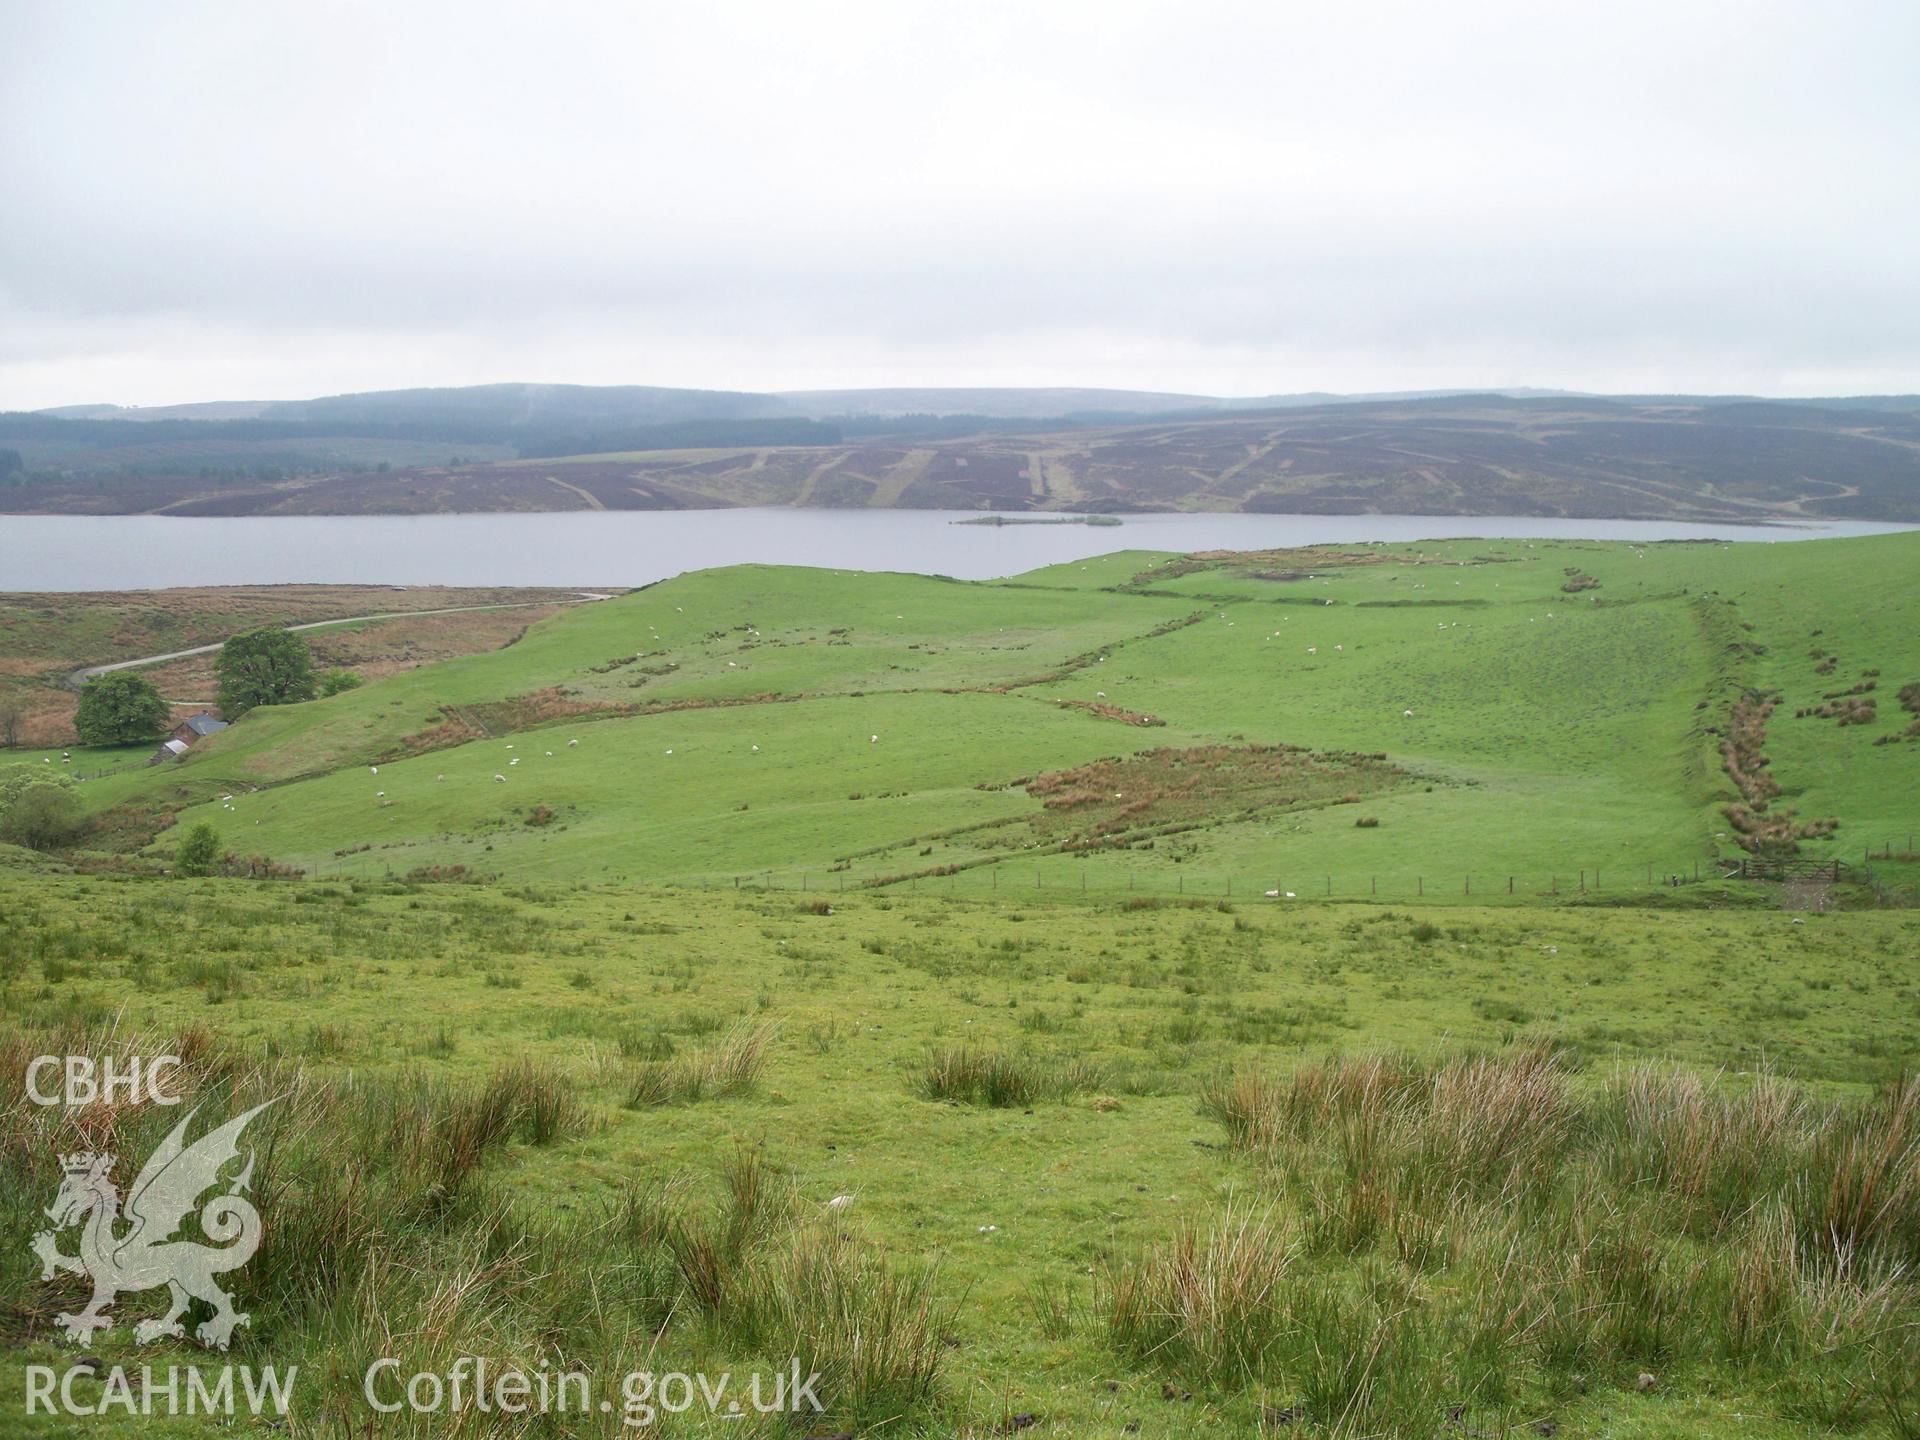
<point>1557,735</point>
<point>1166,996</point>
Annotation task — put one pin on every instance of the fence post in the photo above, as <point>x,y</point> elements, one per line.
<point>1469,888</point>
<point>1373,884</point>
<point>1329,884</point>
<point>1420,884</point>
<point>1509,884</point>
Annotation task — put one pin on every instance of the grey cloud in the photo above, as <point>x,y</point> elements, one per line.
<point>1280,198</point>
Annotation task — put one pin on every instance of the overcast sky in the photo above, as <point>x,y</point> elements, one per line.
<point>246,200</point>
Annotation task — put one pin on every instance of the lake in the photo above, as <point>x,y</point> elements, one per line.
<point>624,548</point>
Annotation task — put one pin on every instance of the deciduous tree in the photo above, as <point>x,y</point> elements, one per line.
<point>119,708</point>
<point>268,666</point>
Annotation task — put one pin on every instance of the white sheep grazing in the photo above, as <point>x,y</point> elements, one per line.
<point>1407,713</point>
<point>514,761</point>
<point>1273,894</point>
<point>873,739</point>
<point>440,777</point>
<point>572,743</point>
<point>1100,694</point>
<point>374,768</point>
<point>840,1202</point>
<point>756,749</point>
<point>500,779</point>
<point>549,754</point>
<point>669,752</point>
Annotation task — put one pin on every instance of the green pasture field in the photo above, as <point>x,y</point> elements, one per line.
<point>1207,1044</point>
<point>1552,735</point>
<point>370,979</point>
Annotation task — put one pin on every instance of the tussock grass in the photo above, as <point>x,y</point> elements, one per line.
<point>873,1333</point>
<point>382,1228</point>
<point>973,1075</point>
<point>729,1066</point>
<point>1472,1225</point>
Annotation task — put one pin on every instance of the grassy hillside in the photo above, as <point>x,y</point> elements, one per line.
<point>1666,458</point>
<point>1554,732</point>
<point>1157,995</point>
<point>1022,1218</point>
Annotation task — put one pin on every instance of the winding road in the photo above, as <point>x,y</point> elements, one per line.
<point>83,675</point>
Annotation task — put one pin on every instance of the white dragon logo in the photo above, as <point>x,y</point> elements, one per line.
<point>168,1187</point>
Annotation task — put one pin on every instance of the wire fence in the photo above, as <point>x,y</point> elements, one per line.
<point>1200,884</point>
<point>1880,868</point>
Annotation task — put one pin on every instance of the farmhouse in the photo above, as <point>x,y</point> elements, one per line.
<point>189,730</point>
<point>194,727</point>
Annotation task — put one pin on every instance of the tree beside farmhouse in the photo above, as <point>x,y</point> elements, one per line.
<point>268,666</point>
<point>119,708</point>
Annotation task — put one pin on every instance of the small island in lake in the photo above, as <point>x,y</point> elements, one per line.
<point>1039,520</point>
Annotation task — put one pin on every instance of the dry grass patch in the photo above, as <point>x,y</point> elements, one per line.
<point>1123,798</point>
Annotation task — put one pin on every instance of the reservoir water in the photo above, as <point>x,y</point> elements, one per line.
<point>624,548</point>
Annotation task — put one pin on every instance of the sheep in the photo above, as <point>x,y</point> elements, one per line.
<point>374,769</point>
<point>756,749</point>
<point>873,739</point>
<point>1407,714</point>
<point>840,1202</point>
<point>500,779</point>
<point>572,743</point>
<point>514,761</point>
<point>669,752</point>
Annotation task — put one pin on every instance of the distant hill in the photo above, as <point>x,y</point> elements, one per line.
<point>534,406</point>
<point>555,447</point>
